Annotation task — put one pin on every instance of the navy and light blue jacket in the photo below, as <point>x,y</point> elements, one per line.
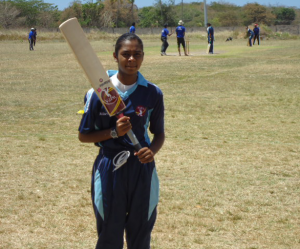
<point>250,33</point>
<point>144,106</point>
<point>210,32</point>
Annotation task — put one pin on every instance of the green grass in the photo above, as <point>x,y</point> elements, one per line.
<point>229,169</point>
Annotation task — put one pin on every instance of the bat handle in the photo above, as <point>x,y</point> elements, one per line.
<point>136,144</point>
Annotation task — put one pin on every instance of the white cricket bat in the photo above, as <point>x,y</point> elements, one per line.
<point>95,72</point>
<point>208,48</point>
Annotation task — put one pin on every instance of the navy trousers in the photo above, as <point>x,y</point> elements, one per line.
<point>124,200</point>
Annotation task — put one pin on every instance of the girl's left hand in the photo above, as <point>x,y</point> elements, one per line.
<point>145,155</point>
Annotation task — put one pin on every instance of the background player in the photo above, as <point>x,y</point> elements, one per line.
<point>256,34</point>
<point>210,37</point>
<point>31,38</point>
<point>180,31</point>
<point>250,36</point>
<point>132,28</point>
<point>164,38</point>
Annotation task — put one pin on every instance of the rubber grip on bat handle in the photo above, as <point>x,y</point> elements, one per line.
<point>135,142</point>
<point>131,135</point>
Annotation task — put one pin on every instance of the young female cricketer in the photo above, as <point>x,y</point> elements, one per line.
<point>125,199</point>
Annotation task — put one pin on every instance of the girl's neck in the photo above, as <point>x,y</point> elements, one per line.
<point>126,79</point>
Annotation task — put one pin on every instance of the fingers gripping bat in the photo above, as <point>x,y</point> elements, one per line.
<point>95,72</point>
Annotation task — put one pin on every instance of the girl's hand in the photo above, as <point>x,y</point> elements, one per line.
<point>145,155</point>
<point>123,125</point>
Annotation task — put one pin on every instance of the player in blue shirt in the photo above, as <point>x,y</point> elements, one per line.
<point>180,31</point>
<point>250,36</point>
<point>132,28</point>
<point>164,38</point>
<point>125,199</point>
<point>256,34</point>
<point>210,37</point>
<point>34,37</point>
<point>31,38</point>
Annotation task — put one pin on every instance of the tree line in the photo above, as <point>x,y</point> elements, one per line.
<point>121,13</point>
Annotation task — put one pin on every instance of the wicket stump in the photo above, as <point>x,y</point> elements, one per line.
<point>187,46</point>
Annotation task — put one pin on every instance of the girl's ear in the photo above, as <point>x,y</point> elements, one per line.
<point>115,57</point>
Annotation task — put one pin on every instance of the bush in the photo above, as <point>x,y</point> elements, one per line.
<point>235,34</point>
<point>285,36</point>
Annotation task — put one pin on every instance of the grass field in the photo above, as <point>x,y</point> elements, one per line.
<point>229,170</point>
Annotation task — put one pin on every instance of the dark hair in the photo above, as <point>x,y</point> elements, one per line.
<point>208,24</point>
<point>133,24</point>
<point>127,37</point>
<point>166,25</point>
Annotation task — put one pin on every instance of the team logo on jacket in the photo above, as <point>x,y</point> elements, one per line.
<point>140,111</point>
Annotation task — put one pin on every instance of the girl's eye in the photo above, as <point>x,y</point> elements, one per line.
<point>127,55</point>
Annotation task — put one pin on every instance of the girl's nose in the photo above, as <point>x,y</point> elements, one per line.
<point>131,57</point>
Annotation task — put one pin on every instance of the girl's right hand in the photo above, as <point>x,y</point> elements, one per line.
<point>123,125</point>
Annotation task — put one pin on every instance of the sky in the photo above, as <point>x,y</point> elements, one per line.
<point>62,4</point>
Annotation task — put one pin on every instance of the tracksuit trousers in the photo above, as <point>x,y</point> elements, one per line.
<point>124,200</point>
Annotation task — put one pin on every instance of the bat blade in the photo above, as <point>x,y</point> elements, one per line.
<point>94,71</point>
<point>92,66</point>
<point>208,48</point>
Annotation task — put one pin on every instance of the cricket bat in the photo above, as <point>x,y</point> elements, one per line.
<point>95,72</point>
<point>208,48</point>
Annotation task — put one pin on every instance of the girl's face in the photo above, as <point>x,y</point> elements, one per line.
<point>130,57</point>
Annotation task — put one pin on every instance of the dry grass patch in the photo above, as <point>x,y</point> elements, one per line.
<point>229,170</point>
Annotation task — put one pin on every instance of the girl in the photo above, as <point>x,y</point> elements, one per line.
<point>125,199</point>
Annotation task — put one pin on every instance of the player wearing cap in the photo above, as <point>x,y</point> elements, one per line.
<point>31,38</point>
<point>256,34</point>
<point>180,31</point>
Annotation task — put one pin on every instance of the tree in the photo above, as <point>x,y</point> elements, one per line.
<point>284,16</point>
<point>67,14</point>
<point>256,13</point>
<point>31,10</point>
<point>8,14</point>
<point>91,13</point>
<point>193,14</point>
<point>147,17</point>
<point>165,12</point>
<point>131,8</point>
<point>228,18</point>
<point>225,14</point>
<point>111,13</point>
